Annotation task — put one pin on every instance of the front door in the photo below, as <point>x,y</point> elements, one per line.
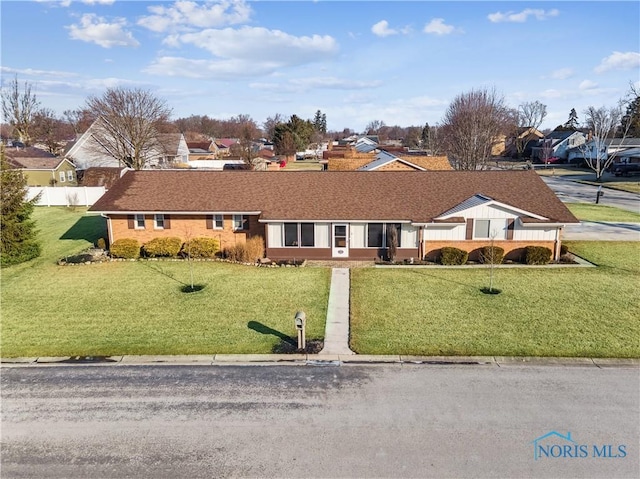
<point>340,244</point>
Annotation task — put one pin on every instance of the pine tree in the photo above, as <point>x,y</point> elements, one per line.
<point>17,230</point>
<point>572,122</point>
<point>630,124</point>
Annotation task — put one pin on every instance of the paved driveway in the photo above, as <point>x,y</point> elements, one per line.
<point>602,231</point>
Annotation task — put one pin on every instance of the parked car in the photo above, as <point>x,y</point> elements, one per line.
<point>625,169</point>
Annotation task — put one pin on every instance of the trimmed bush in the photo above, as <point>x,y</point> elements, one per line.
<point>101,243</point>
<point>492,255</point>
<point>201,248</point>
<point>537,255</point>
<point>162,247</point>
<point>453,256</point>
<point>564,249</point>
<point>127,248</point>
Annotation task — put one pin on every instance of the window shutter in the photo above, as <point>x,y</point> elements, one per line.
<point>469,229</point>
<point>209,222</point>
<point>167,222</point>
<point>131,222</point>
<point>510,226</point>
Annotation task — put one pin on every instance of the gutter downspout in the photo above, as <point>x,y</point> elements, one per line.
<point>109,229</point>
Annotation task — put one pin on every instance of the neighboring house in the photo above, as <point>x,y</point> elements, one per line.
<point>340,215</point>
<point>387,161</point>
<point>624,150</point>
<point>41,168</point>
<point>101,176</point>
<point>202,150</point>
<point>558,143</point>
<point>526,138</point>
<point>86,152</point>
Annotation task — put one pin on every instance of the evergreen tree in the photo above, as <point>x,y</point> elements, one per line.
<point>320,122</point>
<point>17,230</point>
<point>426,137</point>
<point>572,122</point>
<point>630,124</point>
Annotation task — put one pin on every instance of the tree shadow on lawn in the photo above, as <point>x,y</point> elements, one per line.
<point>88,228</point>
<point>184,287</point>
<point>440,278</point>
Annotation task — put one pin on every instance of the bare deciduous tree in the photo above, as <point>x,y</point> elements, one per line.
<point>529,116</point>
<point>472,125</point>
<point>602,124</point>
<point>18,109</point>
<point>127,123</point>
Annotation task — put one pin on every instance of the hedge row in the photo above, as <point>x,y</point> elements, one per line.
<point>169,247</point>
<point>533,255</point>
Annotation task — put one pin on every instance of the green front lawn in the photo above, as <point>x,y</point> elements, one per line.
<point>590,312</point>
<point>591,212</point>
<point>139,308</point>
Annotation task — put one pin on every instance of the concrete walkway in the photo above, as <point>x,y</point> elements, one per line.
<point>602,231</point>
<point>336,336</point>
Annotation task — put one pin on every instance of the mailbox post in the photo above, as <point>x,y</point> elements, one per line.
<point>300,320</point>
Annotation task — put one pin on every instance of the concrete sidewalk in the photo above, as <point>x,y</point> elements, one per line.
<point>336,336</point>
<point>602,231</point>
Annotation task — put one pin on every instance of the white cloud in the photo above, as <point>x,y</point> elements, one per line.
<point>33,72</point>
<point>189,68</point>
<point>437,27</point>
<point>619,61</point>
<point>587,85</point>
<point>67,3</point>
<point>562,74</point>
<point>98,2</point>
<point>382,29</point>
<point>94,29</point>
<point>185,15</point>
<point>299,85</point>
<point>259,46</point>
<point>522,16</point>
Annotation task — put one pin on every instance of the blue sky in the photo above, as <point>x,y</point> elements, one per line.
<point>357,61</point>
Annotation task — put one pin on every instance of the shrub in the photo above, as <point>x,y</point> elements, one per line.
<point>237,252</point>
<point>127,248</point>
<point>537,255</point>
<point>248,252</point>
<point>564,249</point>
<point>492,255</point>
<point>452,256</point>
<point>162,247</point>
<point>101,243</point>
<point>201,248</point>
<point>255,248</point>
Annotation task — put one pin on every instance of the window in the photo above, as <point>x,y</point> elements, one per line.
<point>299,234</point>
<point>158,222</point>
<point>374,235</point>
<point>139,222</point>
<point>378,234</point>
<point>62,177</point>
<point>291,234</point>
<point>481,229</point>
<point>218,222</point>
<point>240,222</point>
<point>307,234</point>
<point>69,175</point>
<point>485,229</point>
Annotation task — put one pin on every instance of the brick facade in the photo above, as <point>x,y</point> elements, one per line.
<point>184,227</point>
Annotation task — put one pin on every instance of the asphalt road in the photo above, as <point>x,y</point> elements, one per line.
<point>311,421</point>
<point>572,192</point>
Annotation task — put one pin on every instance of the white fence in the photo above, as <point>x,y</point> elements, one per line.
<point>67,195</point>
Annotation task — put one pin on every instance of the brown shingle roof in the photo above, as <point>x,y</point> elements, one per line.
<point>341,195</point>
<point>40,163</point>
<point>101,176</point>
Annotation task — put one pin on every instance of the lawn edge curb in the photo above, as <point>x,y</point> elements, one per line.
<point>316,359</point>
